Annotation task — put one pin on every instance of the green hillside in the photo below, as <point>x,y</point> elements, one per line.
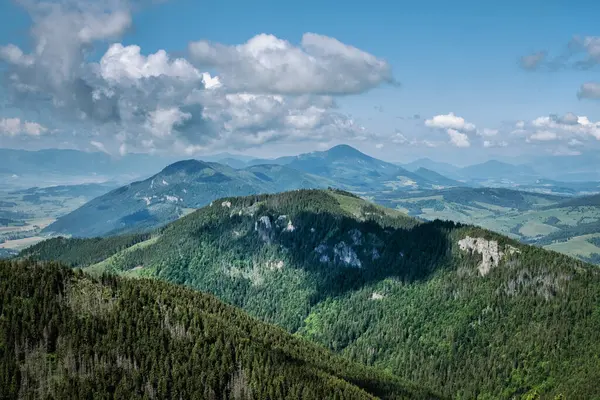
<point>67,335</point>
<point>458,309</point>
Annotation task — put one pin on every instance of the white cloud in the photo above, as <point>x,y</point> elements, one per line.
<point>263,91</point>
<point>533,61</point>
<point>14,127</point>
<point>162,121</point>
<point>575,142</point>
<point>543,136</point>
<point>450,121</point>
<point>267,64</point>
<point>399,138</point>
<point>99,146</point>
<point>490,143</point>
<point>458,139</point>
<point>14,55</point>
<point>567,126</point>
<point>488,132</point>
<point>589,90</point>
<point>379,146</point>
<point>123,64</point>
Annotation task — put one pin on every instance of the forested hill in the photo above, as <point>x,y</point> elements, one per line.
<point>461,310</point>
<point>66,335</point>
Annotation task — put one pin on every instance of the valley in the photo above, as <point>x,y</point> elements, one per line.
<point>24,213</point>
<point>555,222</point>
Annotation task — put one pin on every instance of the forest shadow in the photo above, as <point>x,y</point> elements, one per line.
<point>327,246</point>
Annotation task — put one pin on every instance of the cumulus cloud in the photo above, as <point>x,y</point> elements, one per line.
<point>456,127</point>
<point>458,139</point>
<point>15,127</point>
<point>450,121</point>
<point>543,136</point>
<point>492,143</point>
<point>125,65</point>
<point>319,65</point>
<point>533,61</point>
<point>14,55</point>
<point>262,91</point>
<point>488,132</point>
<point>569,128</point>
<point>589,90</point>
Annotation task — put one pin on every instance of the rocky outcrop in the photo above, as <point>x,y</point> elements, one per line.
<point>344,254</point>
<point>356,236</point>
<point>377,296</point>
<point>491,253</point>
<point>263,227</point>
<point>285,224</point>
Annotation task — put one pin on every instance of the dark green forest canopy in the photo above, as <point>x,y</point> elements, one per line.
<point>461,310</point>
<point>66,335</point>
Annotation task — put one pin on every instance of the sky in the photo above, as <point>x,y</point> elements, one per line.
<point>456,81</point>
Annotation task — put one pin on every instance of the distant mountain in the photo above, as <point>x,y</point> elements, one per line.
<point>498,170</point>
<point>223,156</point>
<point>436,178</point>
<point>232,162</point>
<point>457,309</point>
<point>279,161</point>
<point>439,167</point>
<point>172,192</point>
<point>568,168</point>
<point>72,336</point>
<point>66,167</point>
<point>354,170</point>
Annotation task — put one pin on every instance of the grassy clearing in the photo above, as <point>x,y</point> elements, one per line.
<point>20,244</point>
<point>534,228</point>
<point>578,246</point>
<point>107,265</point>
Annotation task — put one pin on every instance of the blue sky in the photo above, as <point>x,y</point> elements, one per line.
<point>458,57</point>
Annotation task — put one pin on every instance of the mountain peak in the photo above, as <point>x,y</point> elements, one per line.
<point>344,150</point>
<point>185,166</point>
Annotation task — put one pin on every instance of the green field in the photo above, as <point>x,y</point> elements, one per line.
<point>524,216</point>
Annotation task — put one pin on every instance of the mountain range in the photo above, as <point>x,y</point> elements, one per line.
<point>169,194</point>
<point>460,310</point>
<point>191,184</point>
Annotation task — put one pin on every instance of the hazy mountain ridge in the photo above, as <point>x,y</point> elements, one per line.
<point>171,193</point>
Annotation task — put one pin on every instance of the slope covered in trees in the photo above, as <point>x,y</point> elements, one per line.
<point>461,310</point>
<point>65,335</point>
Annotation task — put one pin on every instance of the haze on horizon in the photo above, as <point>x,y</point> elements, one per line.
<point>459,81</point>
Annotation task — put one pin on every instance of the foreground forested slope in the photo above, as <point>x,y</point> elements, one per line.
<point>66,335</point>
<point>461,310</point>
